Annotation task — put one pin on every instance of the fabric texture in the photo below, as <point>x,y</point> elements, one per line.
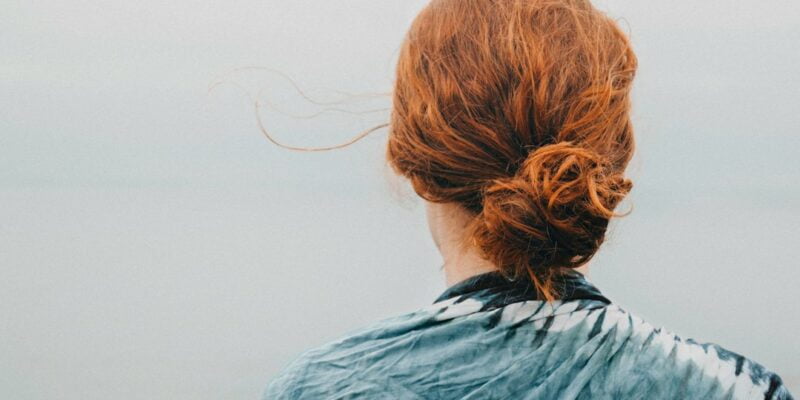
<point>491,338</point>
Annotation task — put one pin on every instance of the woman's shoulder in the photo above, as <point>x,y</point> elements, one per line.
<point>341,365</point>
<point>665,362</point>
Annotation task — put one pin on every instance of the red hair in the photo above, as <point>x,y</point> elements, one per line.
<point>518,111</point>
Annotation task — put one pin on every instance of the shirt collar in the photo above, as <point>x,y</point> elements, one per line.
<point>494,289</point>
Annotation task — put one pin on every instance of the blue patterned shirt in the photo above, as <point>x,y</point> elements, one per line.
<point>492,338</point>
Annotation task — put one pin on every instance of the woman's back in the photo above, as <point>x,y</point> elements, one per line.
<point>511,118</point>
<point>491,338</point>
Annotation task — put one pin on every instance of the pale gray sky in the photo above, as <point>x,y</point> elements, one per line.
<point>156,246</point>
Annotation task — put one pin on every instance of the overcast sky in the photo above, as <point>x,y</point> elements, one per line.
<point>156,245</point>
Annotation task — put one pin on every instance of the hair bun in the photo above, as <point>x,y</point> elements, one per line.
<point>553,213</point>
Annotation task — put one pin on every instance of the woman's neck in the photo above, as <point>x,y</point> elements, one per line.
<point>448,226</point>
<point>458,267</point>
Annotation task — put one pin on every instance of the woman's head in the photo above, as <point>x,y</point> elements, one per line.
<point>518,111</point>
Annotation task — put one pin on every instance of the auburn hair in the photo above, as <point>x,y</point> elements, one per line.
<point>518,111</point>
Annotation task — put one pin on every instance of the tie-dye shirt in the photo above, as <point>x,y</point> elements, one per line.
<point>491,338</point>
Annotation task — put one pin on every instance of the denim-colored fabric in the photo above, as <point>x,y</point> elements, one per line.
<point>491,338</point>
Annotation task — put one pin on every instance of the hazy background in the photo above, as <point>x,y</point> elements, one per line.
<point>154,245</point>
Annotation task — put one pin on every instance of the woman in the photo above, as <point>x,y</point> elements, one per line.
<point>511,119</point>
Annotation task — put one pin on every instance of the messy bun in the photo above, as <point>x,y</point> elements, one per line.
<point>552,214</point>
<point>518,111</point>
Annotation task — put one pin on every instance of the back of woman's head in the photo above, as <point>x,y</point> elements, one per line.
<point>518,111</point>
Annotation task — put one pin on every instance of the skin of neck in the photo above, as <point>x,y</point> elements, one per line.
<point>448,224</point>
